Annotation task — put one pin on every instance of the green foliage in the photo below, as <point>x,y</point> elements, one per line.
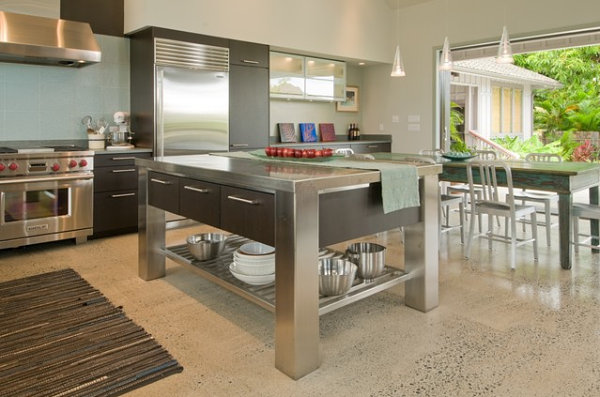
<point>576,105</point>
<point>532,145</point>
<point>456,119</point>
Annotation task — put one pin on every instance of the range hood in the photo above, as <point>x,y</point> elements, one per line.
<point>46,41</point>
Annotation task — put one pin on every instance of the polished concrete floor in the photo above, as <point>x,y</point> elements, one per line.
<point>534,331</point>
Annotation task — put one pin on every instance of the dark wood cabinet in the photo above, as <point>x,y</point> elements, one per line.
<point>248,54</point>
<point>248,107</point>
<point>104,16</point>
<point>371,147</point>
<point>163,191</point>
<point>200,201</point>
<point>115,193</point>
<point>248,213</point>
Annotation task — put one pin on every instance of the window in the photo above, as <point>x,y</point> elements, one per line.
<point>507,110</point>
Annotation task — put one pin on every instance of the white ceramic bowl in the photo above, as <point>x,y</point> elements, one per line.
<point>254,269</point>
<point>256,248</point>
<point>252,280</point>
<point>253,258</point>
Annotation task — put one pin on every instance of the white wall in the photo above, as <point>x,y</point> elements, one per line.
<point>360,29</point>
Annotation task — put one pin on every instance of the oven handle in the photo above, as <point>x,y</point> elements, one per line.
<point>50,178</point>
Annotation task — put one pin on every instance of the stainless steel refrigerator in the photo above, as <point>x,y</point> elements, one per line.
<point>191,98</point>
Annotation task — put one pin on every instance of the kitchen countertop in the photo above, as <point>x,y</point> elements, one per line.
<point>133,150</point>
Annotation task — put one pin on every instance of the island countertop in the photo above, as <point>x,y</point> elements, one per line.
<point>271,175</point>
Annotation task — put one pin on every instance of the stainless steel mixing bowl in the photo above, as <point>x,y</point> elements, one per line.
<point>335,276</point>
<point>206,246</point>
<point>369,257</point>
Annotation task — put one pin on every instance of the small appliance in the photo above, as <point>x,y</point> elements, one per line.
<point>120,137</point>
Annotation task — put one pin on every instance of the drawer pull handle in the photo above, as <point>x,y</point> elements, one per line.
<point>123,158</point>
<point>239,145</point>
<point>196,189</point>
<point>250,61</point>
<point>243,200</point>
<point>159,181</point>
<point>122,195</point>
<point>127,170</point>
<point>371,146</point>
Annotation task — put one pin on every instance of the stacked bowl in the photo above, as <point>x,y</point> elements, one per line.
<point>254,264</point>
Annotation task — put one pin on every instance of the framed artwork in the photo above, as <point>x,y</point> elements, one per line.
<point>327,131</point>
<point>308,132</point>
<point>287,132</point>
<point>350,104</point>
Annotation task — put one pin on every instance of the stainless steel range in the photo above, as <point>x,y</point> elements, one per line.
<point>46,194</point>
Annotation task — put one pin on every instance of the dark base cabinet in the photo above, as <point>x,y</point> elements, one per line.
<point>115,193</point>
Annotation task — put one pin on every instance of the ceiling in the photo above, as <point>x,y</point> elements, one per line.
<point>393,4</point>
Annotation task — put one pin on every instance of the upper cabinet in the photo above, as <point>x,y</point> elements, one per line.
<point>300,77</point>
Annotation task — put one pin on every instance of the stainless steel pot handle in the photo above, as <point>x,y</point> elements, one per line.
<point>50,178</point>
<point>243,200</point>
<point>195,189</point>
<point>160,181</point>
<point>127,170</point>
<point>122,195</point>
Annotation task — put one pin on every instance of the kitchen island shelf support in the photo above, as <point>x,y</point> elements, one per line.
<point>217,271</point>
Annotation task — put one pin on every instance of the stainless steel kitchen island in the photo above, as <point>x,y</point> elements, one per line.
<point>297,208</point>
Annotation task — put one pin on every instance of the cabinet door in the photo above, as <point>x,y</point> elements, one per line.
<point>115,178</point>
<point>286,76</point>
<point>248,213</point>
<point>248,54</point>
<point>115,212</point>
<point>248,107</point>
<point>371,147</point>
<point>325,79</point>
<point>163,191</point>
<point>200,201</point>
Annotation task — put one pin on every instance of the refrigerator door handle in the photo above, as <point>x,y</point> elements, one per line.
<point>160,129</point>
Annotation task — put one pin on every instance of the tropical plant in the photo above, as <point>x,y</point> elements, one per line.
<point>456,119</point>
<point>585,152</point>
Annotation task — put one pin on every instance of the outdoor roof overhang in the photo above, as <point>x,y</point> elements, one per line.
<point>488,67</point>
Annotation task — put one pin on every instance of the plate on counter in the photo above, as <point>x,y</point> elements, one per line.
<point>458,156</point>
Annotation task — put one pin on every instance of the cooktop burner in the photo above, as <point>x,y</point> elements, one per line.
<point>7,150</point>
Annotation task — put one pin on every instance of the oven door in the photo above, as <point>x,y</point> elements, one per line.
<point>35,206</point>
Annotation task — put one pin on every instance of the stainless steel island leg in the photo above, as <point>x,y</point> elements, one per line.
<point>296,282</point>
<point>151,234</point>
<point>421,250</point>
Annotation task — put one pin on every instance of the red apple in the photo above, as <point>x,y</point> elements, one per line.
<point>311,153</point>
<point>327,152</point>
<point>279,152</point>
<point>297,153</point>
<point>319,153</point>
<point>304,153</point>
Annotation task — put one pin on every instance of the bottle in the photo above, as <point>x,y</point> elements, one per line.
<point>356,133</point>
<point>351,132</point>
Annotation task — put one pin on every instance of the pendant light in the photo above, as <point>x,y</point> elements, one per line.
<point>446,57</point>
<point>398,66</point>
<point>505,50</point>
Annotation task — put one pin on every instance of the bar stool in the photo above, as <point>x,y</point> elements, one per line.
<point>585,211</point>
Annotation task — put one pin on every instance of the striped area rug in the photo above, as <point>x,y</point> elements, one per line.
<point>61,337</point>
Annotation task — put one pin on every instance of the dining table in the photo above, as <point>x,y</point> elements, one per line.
<point>564,178</point>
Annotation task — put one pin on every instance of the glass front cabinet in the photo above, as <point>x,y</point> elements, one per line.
<point>306,78</point>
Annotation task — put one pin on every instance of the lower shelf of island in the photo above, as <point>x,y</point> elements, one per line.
<point>217,271</point>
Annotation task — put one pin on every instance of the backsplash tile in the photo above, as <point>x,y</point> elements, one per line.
<point>46,102</point>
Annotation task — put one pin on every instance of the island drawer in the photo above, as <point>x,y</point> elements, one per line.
<point>118,159</point>
<point>163,191</point>
<point>200,201</point>
<point>248,213</point>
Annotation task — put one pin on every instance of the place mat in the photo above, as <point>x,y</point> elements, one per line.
<point>61,337</point>
<point>399,182</point>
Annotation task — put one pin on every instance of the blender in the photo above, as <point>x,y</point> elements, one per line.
<point>120,136</point>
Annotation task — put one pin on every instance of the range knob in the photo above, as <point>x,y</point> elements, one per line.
<point>2,167</point>
<point>72,164</point>
<point>13,166</point>
<point>55,167</point>
<point>82,162</point>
